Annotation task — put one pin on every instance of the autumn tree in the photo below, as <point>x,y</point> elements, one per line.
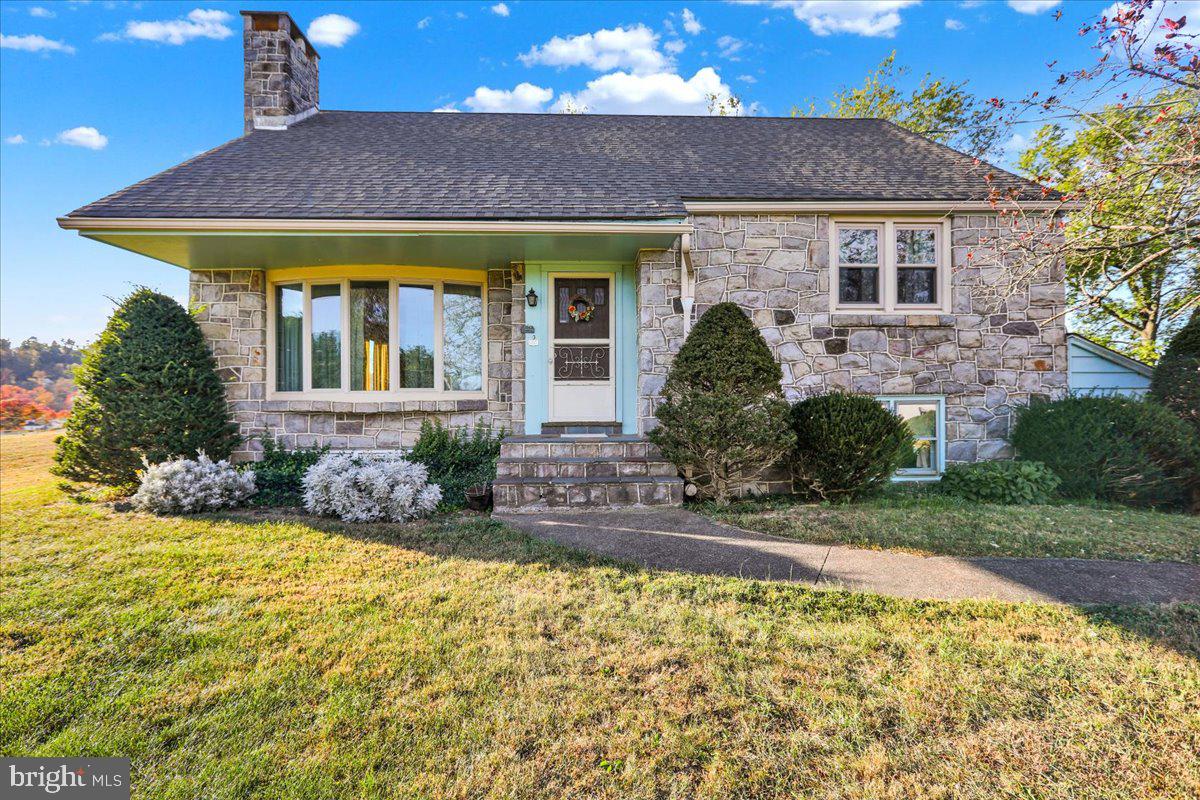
<point>1122,195</point>
<point>1087,160</point>
<point>936,108</point>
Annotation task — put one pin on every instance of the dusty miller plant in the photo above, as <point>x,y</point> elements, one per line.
<point>188,486</point>
<point>369,488</point>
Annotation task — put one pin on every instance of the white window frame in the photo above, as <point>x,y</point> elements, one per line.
<point>369,396</point>
<point>889,401</point>
<point>888,282</point>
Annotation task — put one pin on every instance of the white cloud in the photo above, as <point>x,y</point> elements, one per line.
<point>83,136</point>
<point>954,25</point>
<point>747,79</point>
<point>970,3</point>
<point>524,98</point>
<point>500,9</point>
<point>16,138</point>
<point>690,23</point>
<point>200,23</point>
<point>1032,6</point>
<point>332,29</point>
<point>825,17</point>
<point>33,43</point>
<point>423,23</point>
<point>675,46</point>
<point>39,11</point>
<point>659,93</point>
<point>447,109</point>
<point>729,47</point>
<point>633,48</point>
<point>459,15</point>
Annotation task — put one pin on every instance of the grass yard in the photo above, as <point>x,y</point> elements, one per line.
<point>929,524</point>
<point>274,657</point>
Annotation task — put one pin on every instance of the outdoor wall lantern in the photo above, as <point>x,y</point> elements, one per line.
<point>531,298</point>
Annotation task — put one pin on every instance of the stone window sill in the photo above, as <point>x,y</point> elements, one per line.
<point>910,320</point>
<point>384,407</point>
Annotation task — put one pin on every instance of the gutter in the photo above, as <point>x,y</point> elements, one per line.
<point>209,225</point>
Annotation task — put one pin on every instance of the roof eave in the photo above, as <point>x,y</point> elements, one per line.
<point>711,206</point>
<point>398,226</point>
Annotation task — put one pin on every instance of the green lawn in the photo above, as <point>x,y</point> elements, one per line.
<point>271,657</point>
<point>929,524</point>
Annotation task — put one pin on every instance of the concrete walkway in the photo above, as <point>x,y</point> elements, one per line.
<point>674,539</point>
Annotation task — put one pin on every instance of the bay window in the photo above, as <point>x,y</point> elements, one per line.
<point>889,265</point>
<point>375,338</point>
<point>925,418</point>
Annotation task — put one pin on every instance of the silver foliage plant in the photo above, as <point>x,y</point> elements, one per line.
<point>188,486</point>
<point>361,488</point>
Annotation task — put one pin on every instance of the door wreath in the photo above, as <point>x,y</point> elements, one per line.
<point>580,309</point>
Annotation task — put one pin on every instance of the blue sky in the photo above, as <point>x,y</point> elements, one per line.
<point>95,96</point>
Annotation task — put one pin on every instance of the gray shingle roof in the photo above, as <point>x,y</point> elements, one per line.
<point>411,165</point>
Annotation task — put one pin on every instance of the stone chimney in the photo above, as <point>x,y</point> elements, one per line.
<point>281,71</point>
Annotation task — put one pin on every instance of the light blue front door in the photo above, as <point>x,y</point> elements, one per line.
<point>550,391</point>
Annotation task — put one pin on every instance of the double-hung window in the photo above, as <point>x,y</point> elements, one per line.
<point>890,265</point>
<point>373,338</point>
<point>926,420</point>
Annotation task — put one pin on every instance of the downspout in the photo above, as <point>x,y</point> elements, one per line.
<point>687,297</point>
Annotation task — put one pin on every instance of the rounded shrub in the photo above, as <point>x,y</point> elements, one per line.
<point>148,392</point>
<point>1176,381</point>
<point>362,488</point>
<point>847,446</point>
<point>1005,482</point>
<point>188,486</point>
<point>1111,448</point>
<point>723,419</point>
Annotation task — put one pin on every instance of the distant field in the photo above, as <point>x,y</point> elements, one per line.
<point>25,458</point>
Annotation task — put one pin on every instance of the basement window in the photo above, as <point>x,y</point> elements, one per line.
<point>926,419</point>
<point>373,339</point>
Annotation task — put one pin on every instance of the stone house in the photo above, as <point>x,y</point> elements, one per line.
<point>357,273</point>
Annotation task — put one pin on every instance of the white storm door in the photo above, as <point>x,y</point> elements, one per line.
<point>582,380</point>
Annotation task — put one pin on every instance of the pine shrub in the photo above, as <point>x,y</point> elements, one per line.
<point>723,419</point>
<point>1003,482</point>
<point>148,392</point>
<point>847,446</point>
<point>457,459</point>
<point>1111,448</point>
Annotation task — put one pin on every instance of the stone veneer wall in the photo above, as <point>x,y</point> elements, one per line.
<point>985,360</point>
<point>231,310</point>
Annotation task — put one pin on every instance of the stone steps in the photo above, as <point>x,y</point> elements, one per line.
<point>557,472</point>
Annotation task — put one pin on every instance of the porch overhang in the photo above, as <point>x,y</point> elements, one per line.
<point>279,243</point>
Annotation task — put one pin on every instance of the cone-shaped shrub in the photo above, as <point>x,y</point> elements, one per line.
<point>723,418</point>
<point>1176,381</point>
<point>148,389</point>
